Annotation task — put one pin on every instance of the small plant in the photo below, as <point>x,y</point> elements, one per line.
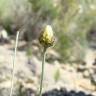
<point>13,64</point>
<point>46,39</point>
<point>57,75</point>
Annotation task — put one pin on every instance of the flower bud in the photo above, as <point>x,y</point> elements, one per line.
<point>46,38</point>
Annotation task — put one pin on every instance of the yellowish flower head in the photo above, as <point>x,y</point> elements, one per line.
<point>48,31</point>
<point>47,37</point>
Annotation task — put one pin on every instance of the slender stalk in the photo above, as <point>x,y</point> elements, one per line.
<point>13,64</point>
<point>42,72</point>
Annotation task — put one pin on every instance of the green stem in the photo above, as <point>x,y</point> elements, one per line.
<point>13,64</point>
<point>42,72</point>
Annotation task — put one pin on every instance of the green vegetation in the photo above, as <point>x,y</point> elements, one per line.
<point>71,20</point>
<point>75,20</point>
<point>57,75</point>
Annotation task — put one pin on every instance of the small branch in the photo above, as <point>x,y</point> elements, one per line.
<point>13,64</point>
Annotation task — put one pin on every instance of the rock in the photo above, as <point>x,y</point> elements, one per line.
<point>81,68</point>
<point>89,57</point>
<point>53,55</point>
<point>94,63</point>
<point>64,92</point>
<point>93,79</point>
<point>4,36</point>
<point>86,74</point>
